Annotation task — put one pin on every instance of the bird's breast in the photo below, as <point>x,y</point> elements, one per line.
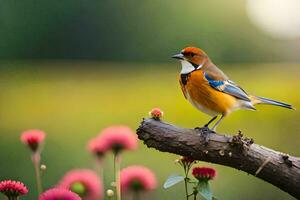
<point>201,95</point>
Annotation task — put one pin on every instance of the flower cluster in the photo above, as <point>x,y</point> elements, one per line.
<point>84,182</point>
<point>59,194</point>
<point>136,178</point>
<point>115,139</point>
<point>204,173</point>
<point>13,189</point>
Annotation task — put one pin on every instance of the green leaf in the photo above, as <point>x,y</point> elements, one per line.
<point>204,189</point>
<point>173,180</point>
<point>214,198</point>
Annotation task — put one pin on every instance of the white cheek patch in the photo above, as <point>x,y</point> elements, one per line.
<point>187,67</point>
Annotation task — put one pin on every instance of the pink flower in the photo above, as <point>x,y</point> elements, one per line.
<point>59,194</point>
<point>96,147</point>
<point>33,138</point>
<point>204,173</point>
<point>118,138</point>
<point>84,182</point>
<point>12,189</point>
<point>137,178</point>
<point>156,113</point>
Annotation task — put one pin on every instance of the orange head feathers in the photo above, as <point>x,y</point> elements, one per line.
<point>193,55</point>
<point>192,58</point>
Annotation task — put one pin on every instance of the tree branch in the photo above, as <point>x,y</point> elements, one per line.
<point>277,168</point>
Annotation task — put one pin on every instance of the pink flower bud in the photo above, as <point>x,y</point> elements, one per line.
<point>156,113</point>
<point>33,138</point>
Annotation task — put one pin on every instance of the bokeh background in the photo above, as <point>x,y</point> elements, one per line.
<point>74,67</point>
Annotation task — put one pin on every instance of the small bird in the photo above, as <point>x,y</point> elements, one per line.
<point>208,89</point>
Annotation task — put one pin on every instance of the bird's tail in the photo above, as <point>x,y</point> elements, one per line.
<point>262,100</point>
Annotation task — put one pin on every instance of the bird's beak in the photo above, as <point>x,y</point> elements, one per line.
<point>179,56</point>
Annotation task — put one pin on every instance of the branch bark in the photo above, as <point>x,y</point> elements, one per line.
<point>279,169</point>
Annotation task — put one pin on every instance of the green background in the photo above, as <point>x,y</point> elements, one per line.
<point>72,105</point>
<point>72,68</point>
<point>134,30</point>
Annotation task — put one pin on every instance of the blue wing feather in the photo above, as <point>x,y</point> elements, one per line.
<point>212,82</point>
<point>227,87</point>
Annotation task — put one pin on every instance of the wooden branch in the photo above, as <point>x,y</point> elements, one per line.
<point>241,153</point>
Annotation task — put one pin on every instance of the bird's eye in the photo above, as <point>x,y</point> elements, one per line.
<point>192,54</point>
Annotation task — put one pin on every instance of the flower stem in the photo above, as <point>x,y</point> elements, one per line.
<point>195,196</point>
<point>13,198</point>
<point>195,192</point>
<point>117,163</point>
<point>136,195</point>
<point>99,169</point>
<point>36,163</point>
<point>186,171</point>
<point>186,188</point>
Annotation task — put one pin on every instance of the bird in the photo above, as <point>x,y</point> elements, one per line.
<point>210,90</point>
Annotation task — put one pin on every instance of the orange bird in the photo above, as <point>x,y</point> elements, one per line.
<point>208,89</point>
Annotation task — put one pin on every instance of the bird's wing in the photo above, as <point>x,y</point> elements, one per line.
<point>226,86</point>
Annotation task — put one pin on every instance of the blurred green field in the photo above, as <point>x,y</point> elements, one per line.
<point>72,102</point>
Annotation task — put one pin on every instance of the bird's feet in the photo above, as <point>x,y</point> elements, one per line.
<point>205,128</point>
<point>201,128</point>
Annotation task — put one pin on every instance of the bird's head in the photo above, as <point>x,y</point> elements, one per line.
<point>192,58</point>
